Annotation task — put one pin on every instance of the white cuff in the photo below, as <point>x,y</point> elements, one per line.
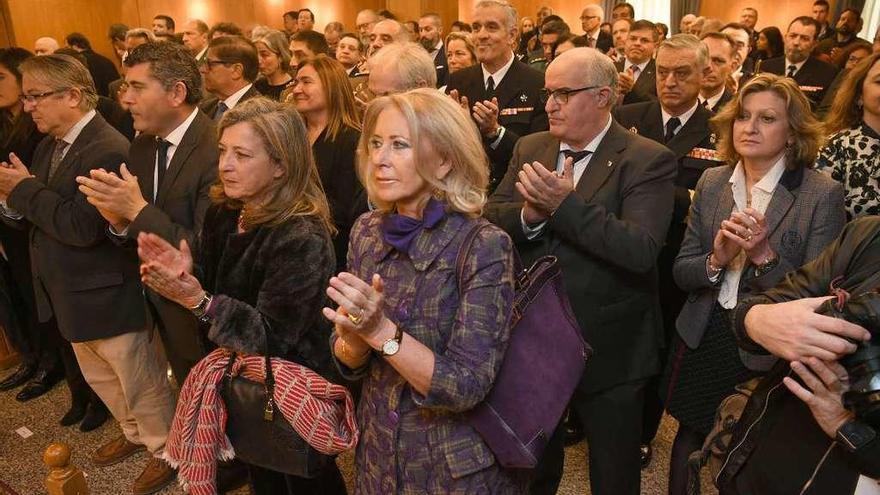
<point>531,232</point>
<point>494,144</point>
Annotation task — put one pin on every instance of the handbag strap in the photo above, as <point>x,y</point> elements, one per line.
<point>269,380</point>
<point>465,250</point>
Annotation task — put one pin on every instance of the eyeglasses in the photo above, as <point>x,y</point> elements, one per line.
<point>561,95</point>
<point>32,99</point>
<point>211,63</point>
<point>588,17</point>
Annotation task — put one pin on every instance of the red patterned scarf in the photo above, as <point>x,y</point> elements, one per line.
<point>197,439</point>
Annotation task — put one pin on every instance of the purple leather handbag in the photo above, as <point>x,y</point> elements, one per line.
<point>543,364</point>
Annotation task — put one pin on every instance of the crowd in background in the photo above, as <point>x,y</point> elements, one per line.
<point>248,189</point>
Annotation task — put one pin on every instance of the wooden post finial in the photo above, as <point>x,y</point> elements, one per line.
<point>63,479</point>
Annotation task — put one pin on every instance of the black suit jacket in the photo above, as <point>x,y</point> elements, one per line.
<point>519,104</point>
<point>814,78</point>
<point>176,213</point>
<point>209,105</point>
<point>607,235</point>
<point>604,42</point>
<point>103,71</point>
<point>725,97</point>
<point>645,87</point>
<point>442,67</point>
<point>90,284</point>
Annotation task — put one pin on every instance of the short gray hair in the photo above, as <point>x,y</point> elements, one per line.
<point>141,33</point>
<point>63,72</point>
<point>410,62</point>
<point>687,42</point>
<point>508,9</point>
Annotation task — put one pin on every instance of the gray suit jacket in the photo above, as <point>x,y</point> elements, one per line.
<point>606,235</point>
<point>805,214</point>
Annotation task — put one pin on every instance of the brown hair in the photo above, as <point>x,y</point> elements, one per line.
<point>806,130</point>
<point>298,191</point>
<point>63,72</point>
<point>846,111</point>
<point>341,108</point>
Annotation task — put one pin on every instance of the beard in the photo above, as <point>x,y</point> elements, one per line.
<point>428,44</point>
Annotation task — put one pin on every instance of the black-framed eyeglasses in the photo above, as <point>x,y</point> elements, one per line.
<point>561,95</point>
<point>211,63</point>
<point>40,96</point>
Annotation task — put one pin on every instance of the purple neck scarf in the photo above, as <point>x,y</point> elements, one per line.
<point>400,230</point>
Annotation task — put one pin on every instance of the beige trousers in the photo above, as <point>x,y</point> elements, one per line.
<point>128,374</point>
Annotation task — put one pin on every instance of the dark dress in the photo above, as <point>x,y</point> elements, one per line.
<point>336,162</point>
<point>280,272</point>
<point>270,91</point>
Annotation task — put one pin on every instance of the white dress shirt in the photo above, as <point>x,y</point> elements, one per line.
<point>712,100</point>
<point>234,98</point>
<point>683,118</point>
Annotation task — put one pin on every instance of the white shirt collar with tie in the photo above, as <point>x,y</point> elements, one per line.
<point>234,98</point>
<point>683,118</point>
<point>74,132</point>
<point>581,165</point>
<point>637,68</point>
<point>174,138</point>
<point>711,101</point>
<point>789,63</point>
<point>499,74</point>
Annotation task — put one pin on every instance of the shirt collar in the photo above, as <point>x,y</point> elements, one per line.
<point>202,53</point>
<point>594,34</point>
<point>683,117</point>
<point>713,100</point>
<point>498,75</point>
<point>234,98</point>
<point>767,183</point>
<point>592,145</point>
<point>641,66</point>
<point>176,136</point>
<point>77,128</point>
<point>798,65</point>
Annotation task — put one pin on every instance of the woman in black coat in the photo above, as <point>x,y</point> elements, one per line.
<point>262,259</point>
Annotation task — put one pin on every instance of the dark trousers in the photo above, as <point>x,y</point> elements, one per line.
<point>687,441</point>
<point>611,420</point>
<point>266,482</point>
<point>179,330</point>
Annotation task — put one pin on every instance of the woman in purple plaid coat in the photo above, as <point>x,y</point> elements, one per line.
<point>427,350</point>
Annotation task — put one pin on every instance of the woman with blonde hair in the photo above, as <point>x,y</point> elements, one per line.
<point>274,57</point>
<point>850,156</point>
<point>427,349</point>
<point>263,256</point>
<point>751,222</point>
<point>322,94</point>
<point>460,51</point>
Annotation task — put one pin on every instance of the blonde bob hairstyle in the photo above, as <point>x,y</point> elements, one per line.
<point>807,132</point>
<point>282,133</point>
<point>438,125</point>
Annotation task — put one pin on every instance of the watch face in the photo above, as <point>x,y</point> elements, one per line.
<point>390,347</point>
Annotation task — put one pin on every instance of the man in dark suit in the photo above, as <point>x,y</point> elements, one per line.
<point>678,121</point>
<point>431,37</point>
<point>164,188</point>
<point>101,68</point>
<point>229,71</point>
<point>195,38</point>
<point>88,283</point>
<point>637,78</point>
<point>812,75</point>
<point>591,20</point>
<point>714,92</point>
<point>600,199</point>
<point>745,65</point>
<point>500,91</point>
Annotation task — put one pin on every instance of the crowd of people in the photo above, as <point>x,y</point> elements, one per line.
<point>250,188</point>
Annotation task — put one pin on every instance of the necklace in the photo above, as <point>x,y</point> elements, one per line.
<point>241,221</point>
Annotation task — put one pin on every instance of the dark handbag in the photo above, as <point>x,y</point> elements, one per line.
<point>544,362</point>
<point>259,433</point>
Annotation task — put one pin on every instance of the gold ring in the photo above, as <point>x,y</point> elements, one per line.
<point>356,319</point>
<point>749,238</point>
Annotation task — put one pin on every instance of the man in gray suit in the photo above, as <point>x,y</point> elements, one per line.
<point>599,198</point>
<point>164,188</point>
<point>91,285</point>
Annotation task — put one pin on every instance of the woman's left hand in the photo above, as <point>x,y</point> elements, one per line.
<point>748,229</point>
<point>164,275</point>
<point>826,382</point>
<point>364,305</point>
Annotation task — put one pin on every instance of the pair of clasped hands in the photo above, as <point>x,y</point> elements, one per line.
<point>743,231</point>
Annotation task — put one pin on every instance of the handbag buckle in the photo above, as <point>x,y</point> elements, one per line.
<point>269,411</point>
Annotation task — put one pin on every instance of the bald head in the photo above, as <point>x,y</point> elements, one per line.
<point>586,66</point>
<point>685,25</point>
<point>591,18</point>
<point>45,46</point>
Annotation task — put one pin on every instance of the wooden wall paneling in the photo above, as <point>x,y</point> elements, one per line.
<point>780,15</point>
<point>6,38</point>
<point>568,10</point>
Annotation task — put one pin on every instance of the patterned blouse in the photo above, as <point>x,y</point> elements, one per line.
<point>852,157</point>
<point>412,443</point>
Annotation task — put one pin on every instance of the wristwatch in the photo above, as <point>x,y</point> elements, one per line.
<point>854,435</point>
<point>201,309</point>
<point>767,266</point>
<point>392,345</point>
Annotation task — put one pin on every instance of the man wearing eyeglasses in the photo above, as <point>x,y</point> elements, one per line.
<point>600,199</point>
<point>228,71</point>
<point>591,21</point>
<point>89,284</point>
<point>678,121</point>
<point>500,92</point>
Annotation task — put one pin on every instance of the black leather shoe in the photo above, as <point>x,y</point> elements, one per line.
<point>574,433</point>
<point>96,415</point>
<point>24,373</point>
<point>231,475</point>
<point>646,453</point>
<point>42,382</point>
<point>73,415</point>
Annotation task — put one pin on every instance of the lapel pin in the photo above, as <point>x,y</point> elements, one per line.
<point>609,163</point>
<point>523,98</point>
<point>633,130</point>
<point>712,138</point>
